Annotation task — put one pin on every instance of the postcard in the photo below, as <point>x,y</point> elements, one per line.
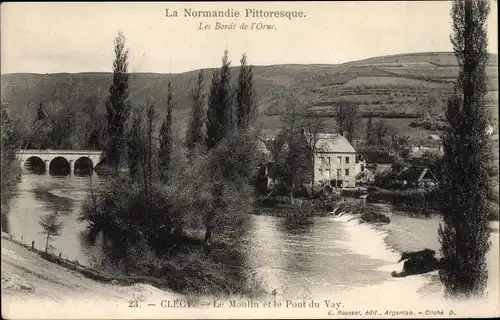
<point>182,160</point>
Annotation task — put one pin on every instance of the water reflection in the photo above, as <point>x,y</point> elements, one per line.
<point>38,195</point>
<point>303,257</point>
<point>53,202</point>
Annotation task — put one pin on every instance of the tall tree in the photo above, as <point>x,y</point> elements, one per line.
<point>11,171</point>
<point>294,165</point>
<point>383,134</point>
<point>369,130</point>
<point>348,119</point>
<point>244,96</point>
<point>194,134</point>
<point>117,106</point>
<point>465,230</point>
<point>134,143</point>
<point>93,125</point>
<point>165,153</point>
<point>219,104</point>
<point>41,129</point>
<point>313,125</point>
<point>148,155</point>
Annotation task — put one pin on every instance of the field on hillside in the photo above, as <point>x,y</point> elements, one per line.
<point>272,123</point>
<point>392,85</point>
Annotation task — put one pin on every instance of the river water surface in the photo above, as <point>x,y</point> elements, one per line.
<point>318,256</point>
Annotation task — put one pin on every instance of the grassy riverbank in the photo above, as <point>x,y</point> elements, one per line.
<point>188,270</point>
<point>26,276</point>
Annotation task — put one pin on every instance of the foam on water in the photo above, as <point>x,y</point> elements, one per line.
<point>365,240</point>
<point>405,292</point>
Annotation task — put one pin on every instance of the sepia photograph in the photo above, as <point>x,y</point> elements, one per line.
<point>249,160</point>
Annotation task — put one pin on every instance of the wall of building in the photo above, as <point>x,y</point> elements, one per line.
<point>335,166</point>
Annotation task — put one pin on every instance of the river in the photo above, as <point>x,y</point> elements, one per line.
<point>315,257</point>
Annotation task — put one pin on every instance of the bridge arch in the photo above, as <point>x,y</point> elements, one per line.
<point>59,166</point>
<point>35,164</point>
<point>83,165</point>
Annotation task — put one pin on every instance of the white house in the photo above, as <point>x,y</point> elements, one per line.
<point>334,161</point>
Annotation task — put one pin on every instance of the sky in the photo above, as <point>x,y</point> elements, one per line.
<point>78,37</point>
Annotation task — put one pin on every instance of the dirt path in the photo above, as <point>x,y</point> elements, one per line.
<point>26,278</point>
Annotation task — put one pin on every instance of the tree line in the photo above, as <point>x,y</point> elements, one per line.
<point>173,190</point>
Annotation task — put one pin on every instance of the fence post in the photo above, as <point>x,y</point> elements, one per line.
<point>33,245</point>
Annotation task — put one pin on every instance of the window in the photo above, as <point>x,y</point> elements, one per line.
<point>321,160</point>
<point>347,160</point>
<point>328,160</point>
<point>339,172</point>
<point>320,172</point>
<point>346,172</point>
<point>339,160</point>
<point>327,172</point>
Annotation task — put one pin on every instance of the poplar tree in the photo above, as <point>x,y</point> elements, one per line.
<point>148,154</point>
<point>244,96</point>
<point>464,232</point>
<point>219,104</point>
<point>165,153</point>
<point>369,130</point>
<point>194,134</point>
<point>134,143</point>
<point>117,106</point>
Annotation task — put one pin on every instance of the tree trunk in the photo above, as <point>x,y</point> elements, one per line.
<point>208,236</point>
<point>47,243</point>
<point>312,177</point>
<point>291,194</point>
<point>207,245</point>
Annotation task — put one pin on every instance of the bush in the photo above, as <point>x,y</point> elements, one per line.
<point>119,209</point>
<point>372,216</point>
<point>412,198</point>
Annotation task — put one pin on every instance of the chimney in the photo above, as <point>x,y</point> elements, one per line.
<point>342,133</point>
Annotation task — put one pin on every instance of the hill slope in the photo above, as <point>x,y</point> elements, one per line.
<point>397,85</point>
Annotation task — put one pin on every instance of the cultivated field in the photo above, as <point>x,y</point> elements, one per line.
<point>399,84</point>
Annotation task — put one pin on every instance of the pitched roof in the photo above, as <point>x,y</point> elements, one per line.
<point>332,142</point>
<point>413,173</point>
<point>435,137</point>
<point>261,146</point>
<point>392,172</point>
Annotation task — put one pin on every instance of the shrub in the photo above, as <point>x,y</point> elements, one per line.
<point>411,198</point>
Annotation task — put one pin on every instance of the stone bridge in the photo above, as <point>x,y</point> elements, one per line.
<point>66,160</point>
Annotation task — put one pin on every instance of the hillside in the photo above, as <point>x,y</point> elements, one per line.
<point>395,86</point>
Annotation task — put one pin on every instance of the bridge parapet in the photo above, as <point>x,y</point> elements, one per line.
<point>61,152</point>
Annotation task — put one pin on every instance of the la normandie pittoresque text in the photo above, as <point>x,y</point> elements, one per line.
<point>232,13</point>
